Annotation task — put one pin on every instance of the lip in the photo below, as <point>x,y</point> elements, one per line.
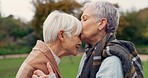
<point>78,47</point>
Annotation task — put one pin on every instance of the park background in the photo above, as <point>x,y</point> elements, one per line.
<point>18,36</point>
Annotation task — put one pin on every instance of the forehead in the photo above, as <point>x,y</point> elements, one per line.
<point>87,12</point>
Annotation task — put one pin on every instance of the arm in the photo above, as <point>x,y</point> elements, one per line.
<point>110,68</point>
<point>40,74</point>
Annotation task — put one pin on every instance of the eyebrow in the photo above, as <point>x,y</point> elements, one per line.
<point>84,16</point>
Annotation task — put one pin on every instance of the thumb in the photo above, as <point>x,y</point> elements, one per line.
<point>38,73</point>
<point>50,69</point>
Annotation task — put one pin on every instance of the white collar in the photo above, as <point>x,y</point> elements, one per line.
<point>57,59</point>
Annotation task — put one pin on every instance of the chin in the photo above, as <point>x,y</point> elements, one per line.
<point>75,54</point>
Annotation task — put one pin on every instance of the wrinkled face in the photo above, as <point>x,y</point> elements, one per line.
<point>89,25</point>
<point>72,44</point>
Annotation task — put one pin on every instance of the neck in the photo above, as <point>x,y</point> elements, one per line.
<point>56,49</point>
<point>97,38</point>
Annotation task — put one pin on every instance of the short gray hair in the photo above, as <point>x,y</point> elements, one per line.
<point>57,21</point>
<point>102,9</point>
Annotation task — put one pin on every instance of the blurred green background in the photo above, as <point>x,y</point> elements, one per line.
<point>19,37</point>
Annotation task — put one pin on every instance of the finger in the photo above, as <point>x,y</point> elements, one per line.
<point>34,76</point>
<point>49,67</point>
<point>39,73</point>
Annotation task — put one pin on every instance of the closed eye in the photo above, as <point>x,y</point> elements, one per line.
<point>84,18</point>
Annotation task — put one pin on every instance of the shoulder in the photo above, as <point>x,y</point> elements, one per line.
<point>110,68</point>
<point>112,60</point>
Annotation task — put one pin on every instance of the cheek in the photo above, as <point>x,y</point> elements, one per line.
<point>86,27</point>
<point>75,42</point>
<point>89,28</point>
<point>89,32</point>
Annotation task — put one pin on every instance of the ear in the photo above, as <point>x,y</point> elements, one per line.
<point>102,23</point>
<point>61,35</point>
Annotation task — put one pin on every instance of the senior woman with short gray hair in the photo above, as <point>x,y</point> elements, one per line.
<point>61,38</point>
<point>105,56</point>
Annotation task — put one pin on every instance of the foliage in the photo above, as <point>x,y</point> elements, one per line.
<point>143,16</point>
<point>44,7</point>
<point>12,31</point>
<point>19,37</point>
<point>13,28</point>
<point>142,49</point>
<point>133,27</point>
<point>14,50</point>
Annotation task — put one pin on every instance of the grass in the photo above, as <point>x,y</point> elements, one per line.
<point>9,67</point>
<point>145,68</point>
<point>68,67</point>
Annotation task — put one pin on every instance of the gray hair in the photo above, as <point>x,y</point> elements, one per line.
<point>57,21</point>
<point>102,9</point>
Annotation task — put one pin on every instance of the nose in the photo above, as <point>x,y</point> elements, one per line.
<point>80,43</point>
<point>82,23</point>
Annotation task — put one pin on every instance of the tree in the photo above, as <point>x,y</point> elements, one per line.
<point>132,27</point>
<point>11,29</point>
<point>44,7</point>
<point>123,23</point>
